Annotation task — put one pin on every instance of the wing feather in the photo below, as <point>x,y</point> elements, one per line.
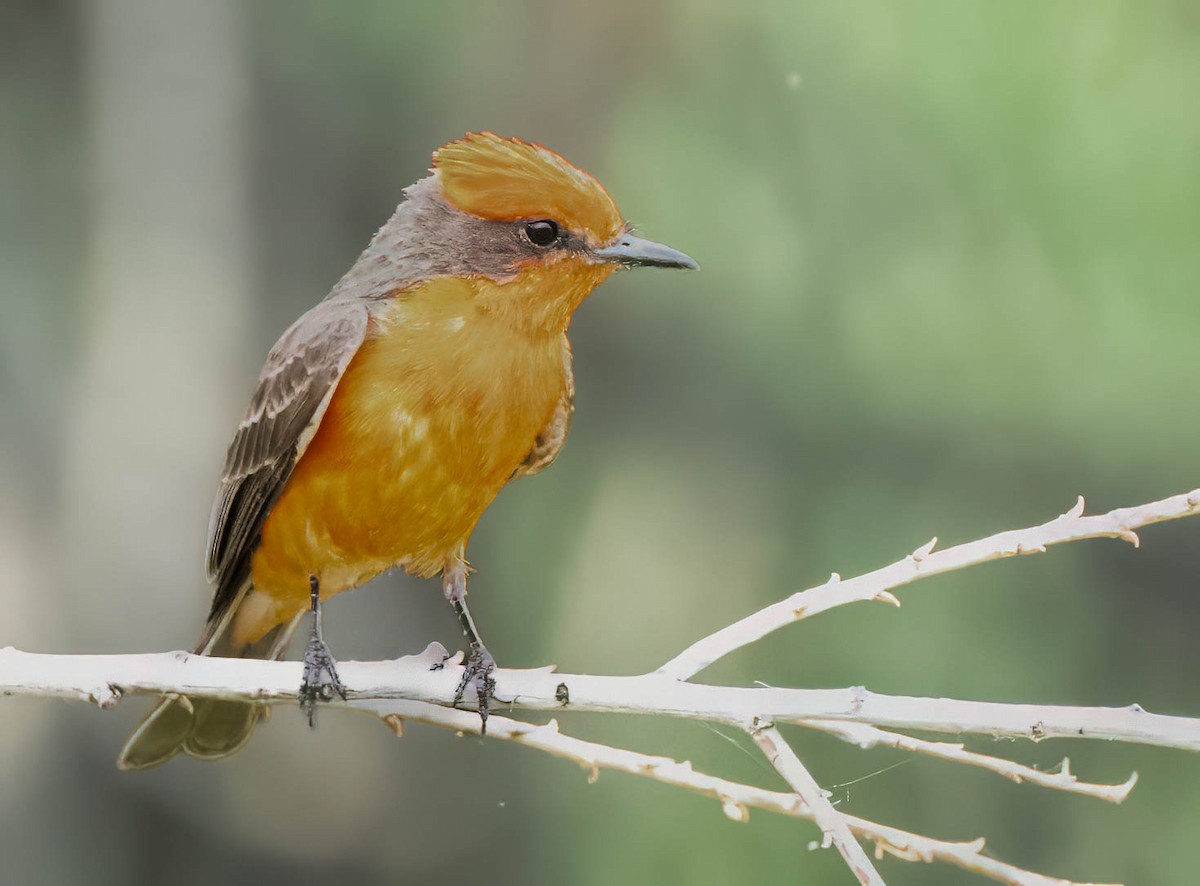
<point>294,388</point>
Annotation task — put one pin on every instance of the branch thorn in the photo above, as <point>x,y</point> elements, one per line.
<point>888,597</point>
<point>1123,790</point>
<point>1130,536</point>
<point>735,811</point>
<point>924,550</point>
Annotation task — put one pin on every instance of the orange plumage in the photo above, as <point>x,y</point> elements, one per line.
<point>389,416</point>
<point>442,401</point>
<point>507,179</point>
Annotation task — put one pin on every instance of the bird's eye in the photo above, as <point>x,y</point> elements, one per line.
<point>541,233</point>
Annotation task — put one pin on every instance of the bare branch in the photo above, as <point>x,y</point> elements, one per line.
<point>866,736</point>
<point>924,562</point>
<point>423,687</point>
<point>968,856</point>
<point>736,799</point>
<point>102,679</point>
<point>833,824</point>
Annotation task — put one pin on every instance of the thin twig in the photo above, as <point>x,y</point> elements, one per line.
<point>736,799</point>
<point>866,736</point>
<point>921,563</point>
<point>834,828</point>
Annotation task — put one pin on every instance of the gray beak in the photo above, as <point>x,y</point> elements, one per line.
<point>635,252</point>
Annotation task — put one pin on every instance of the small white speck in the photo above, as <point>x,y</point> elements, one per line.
<point>793,80</point>
<point>455,323</point>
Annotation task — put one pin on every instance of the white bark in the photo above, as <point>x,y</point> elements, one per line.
<point>102,679</point>
<point>422,687</point>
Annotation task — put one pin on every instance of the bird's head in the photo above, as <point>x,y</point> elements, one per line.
<point>537,233</point>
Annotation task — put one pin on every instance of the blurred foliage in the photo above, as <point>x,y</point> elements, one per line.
<point>949,281</point>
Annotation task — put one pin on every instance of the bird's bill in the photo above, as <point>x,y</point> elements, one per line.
<point>633,252</point>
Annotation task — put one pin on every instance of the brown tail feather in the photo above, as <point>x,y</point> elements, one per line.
<point>205,728</point>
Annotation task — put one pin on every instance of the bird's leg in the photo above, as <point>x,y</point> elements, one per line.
<point>477,670</point>
<point>320,670</point>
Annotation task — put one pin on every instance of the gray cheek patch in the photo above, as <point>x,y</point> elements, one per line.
<point>427,237</point>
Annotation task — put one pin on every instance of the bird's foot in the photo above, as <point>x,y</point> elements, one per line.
<point>477,674</point>
<point>321,681</point>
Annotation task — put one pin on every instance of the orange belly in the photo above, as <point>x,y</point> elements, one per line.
<point>435,412</point>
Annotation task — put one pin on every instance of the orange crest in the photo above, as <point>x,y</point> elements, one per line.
<point>505,179</point>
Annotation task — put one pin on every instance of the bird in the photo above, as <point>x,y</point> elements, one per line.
<point>388,417</point>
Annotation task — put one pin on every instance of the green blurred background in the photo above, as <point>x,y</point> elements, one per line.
<point>949,281</point>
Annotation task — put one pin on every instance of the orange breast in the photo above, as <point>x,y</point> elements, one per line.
<point>435,412</point>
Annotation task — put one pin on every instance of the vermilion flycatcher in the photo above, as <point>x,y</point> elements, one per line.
<point>389,416</point>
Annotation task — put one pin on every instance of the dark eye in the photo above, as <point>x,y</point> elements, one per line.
<point>541,233</point>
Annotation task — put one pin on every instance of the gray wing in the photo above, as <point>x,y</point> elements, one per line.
<point>294,388</point>
<point>549,442</point>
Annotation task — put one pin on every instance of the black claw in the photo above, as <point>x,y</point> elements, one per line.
<point>477,673</point>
